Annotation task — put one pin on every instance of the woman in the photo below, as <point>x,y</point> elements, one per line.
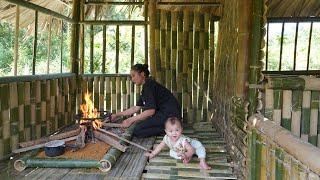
<point>157,102</point>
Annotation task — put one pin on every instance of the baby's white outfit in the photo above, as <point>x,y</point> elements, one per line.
<point>178,147</point>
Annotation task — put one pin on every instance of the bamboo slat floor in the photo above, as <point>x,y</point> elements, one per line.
<point>165,167</point>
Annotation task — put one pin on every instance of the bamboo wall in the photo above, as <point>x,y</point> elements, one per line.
<point>112,93</point>
<point>294,103</point>
<point>184,58</point>
<point>274,153</point>
<point>34,106</point>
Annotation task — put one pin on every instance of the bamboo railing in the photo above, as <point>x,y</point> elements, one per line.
<point>34,106</point>
<point>293,103</point>
<point>275,153</point>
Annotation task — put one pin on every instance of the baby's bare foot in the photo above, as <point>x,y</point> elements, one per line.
<point>204,165</point>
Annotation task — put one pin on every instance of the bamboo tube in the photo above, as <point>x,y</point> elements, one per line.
<point>174,53</point>
<point>152,37</point>
<point>101,93</point>
<point>168,50</point>
<point>180,57</point>
<point>258,157</point>
<point>5,116</point>
<point>163,46</point>
<point>305,116</point>
<point>272,162</point>
<point>277,106</point>
<point>124,93</point>
<point>96,91</point>
<point>23,163</point>
<point>43,108</point>
<point>14,115</point>
<point>264,159</point>
<point>294,83</point>
<point>108,93</point>
<point>21,111</point>
<point>145,14</point>
<point>185,45</point>
<point>189,65</point>
<point>211,62</point>
<point>33,89</point>
<point>286,109</point>
<point>27,111</point>
<point>279,164</point>
<point>300,150</point>
<point>53,92</point>
<point>113,95</point>
<point>157,47</point>
<point>195,65</point>
<point>104,46</point>
<point>201,69</point>
<point>269,104</point>
<point>81,38</point>
<point>296,112</point>
<point>313,135</point>
<point>206,67</point>
<point>59,103</point>
<point>91,48</point>
<point>118,93</point>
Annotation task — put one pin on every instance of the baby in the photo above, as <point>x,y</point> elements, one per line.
<point>181,147</point>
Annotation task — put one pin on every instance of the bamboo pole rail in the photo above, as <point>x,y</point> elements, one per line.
<point>35,7</point>
<point>117,23</point>
<point>16,41</point>
<point>117,49</point>
<point>35,43</point>
<point>49,45</point>
<point>133,34</point>
<point>293,83</point>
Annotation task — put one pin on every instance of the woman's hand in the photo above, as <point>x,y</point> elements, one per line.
<point>149,154</point>
<point>126,123</point>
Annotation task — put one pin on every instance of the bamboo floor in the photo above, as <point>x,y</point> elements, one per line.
<point>133,164</point>
<point>165,167</point>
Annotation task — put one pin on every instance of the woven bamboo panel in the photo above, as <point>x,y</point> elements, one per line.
<point>33,108</point>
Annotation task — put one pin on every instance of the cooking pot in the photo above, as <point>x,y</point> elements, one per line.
<point>54,148</point>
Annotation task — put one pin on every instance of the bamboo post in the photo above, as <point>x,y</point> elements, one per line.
<point>59,103</point>
<point>133,34</point>
<point>174,53</point>
<point>195,66</point>
<point>104,46</point>
<point>27,111</point>
<point>180,57</point>
<point>286,109</point>
<point>108,93</point>
<point>314,117</point>
<point>48,108</point>
<point>91,48</point>
<point>53,92</point>
<point>157,47</point>
<point>33,89</point>
<point>117,49</point>
<point>81,38</point>
<point>201,69</point>
<point>206,67</point>
<point>163,49</point>
<point>168,50</point>
<point>5,116</point>
<point>145,13</point>
<point>189,67</point>
<point>16,41</point>
<point>211,63</point>
<point>255,46</point>
<point>185,90</point>
<point>75,32</point>
<point>296,112</point>
<point>35,42</point>
<point>277,106</point>
<point>152,25</point>
<point>305,116</point>
<point>49,45</point>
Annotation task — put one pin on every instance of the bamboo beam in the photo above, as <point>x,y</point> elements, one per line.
<point>105,2</point>
<point>41,9</point>
<point>34,56</point>
<point>117,23</point>
<point>294,83</point>
<point>81,38</point>
<point>16,41</point>
<point>300,72</point>
<point>300,150</point>
<point>185,3</point>
<point>292,19</point>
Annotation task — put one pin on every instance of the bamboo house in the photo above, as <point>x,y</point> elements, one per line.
<point>246,73</point>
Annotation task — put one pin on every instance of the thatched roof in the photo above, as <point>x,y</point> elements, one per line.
<point>296,8</point>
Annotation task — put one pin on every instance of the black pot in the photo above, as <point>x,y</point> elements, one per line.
<point>54,148</point>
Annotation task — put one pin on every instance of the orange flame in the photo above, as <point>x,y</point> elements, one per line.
<point>89,111</point>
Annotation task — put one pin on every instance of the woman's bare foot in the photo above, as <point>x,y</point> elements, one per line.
<point>204,165</point>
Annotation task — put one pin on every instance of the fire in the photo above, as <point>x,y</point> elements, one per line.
<point>89,111</point>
